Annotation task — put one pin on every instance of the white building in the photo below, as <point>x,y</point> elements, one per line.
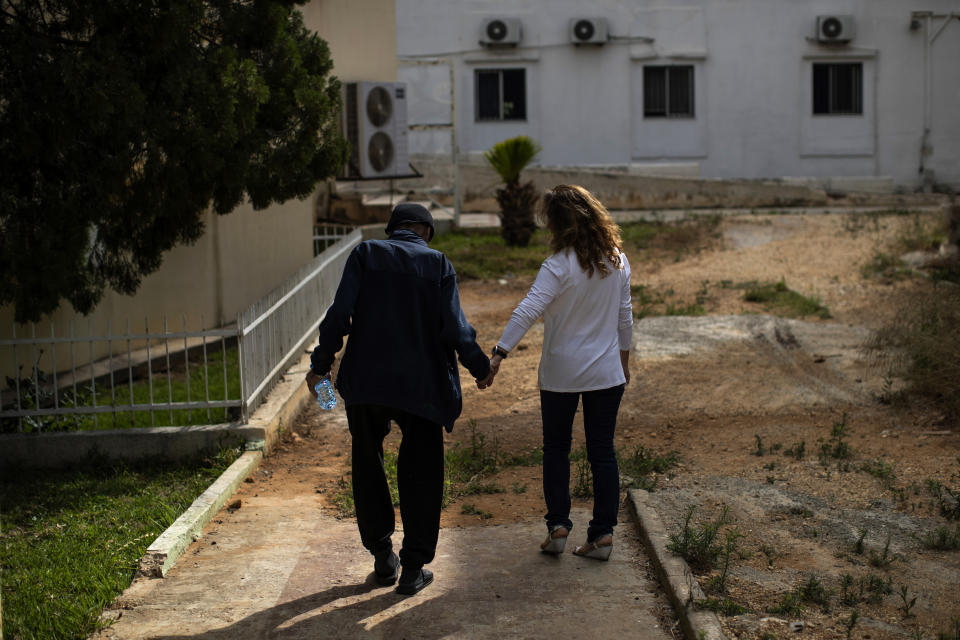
<point>715,88</point>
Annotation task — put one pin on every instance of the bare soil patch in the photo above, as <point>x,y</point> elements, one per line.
<point>738,394</point>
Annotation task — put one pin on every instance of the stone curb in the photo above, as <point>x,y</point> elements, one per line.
<point>279,409</point>
<point>673,572</point>
<point>166,549</point>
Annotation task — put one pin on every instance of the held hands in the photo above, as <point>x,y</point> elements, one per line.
<point>494,369</point>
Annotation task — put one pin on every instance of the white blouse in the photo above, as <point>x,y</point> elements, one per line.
<point>587,322</point>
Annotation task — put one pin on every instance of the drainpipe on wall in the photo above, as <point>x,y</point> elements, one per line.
<point>926,149</point>
<point>454,144</point>
<point>217,269</point>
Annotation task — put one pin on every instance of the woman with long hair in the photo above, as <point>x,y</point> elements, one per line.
<point>583,293</point>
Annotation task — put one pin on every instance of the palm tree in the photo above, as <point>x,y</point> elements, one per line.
<point>516,200</point>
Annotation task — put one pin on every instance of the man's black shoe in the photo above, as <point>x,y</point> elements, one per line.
<point>386,568</point>
<point>413,581</point>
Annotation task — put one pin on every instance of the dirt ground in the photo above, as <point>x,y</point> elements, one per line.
<point>734,393</point>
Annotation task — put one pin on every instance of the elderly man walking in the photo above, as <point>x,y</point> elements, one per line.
<point>399,302</point>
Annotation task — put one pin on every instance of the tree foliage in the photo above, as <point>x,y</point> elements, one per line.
<point>122,123</point>
<point>517,201</point>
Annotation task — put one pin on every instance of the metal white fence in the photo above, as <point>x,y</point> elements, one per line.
<point>222,372</point>
<point>143,376</point>
<point>274,330</point>
<point>327,234</point>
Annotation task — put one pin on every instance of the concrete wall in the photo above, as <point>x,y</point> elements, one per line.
<point>240,258</point>
<point>752,62</point>
<point>362,35</point>
<point>624,190</point>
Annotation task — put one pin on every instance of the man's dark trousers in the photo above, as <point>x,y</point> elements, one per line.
<point>419,480</point>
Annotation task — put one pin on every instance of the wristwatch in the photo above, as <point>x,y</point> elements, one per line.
<point>497,351</point>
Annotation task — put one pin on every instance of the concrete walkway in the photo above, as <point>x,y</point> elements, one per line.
<point>281,568</point>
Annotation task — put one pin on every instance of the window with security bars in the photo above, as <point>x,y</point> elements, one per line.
<point>668,91</point>
<point>838,88</point>
<point>501,94</point>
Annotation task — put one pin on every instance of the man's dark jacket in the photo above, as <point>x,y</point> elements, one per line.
<point>399,302</point>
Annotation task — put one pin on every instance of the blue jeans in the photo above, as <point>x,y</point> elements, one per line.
<point>599,423</point>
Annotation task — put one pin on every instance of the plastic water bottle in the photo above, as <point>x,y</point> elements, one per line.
<point>325,396</point>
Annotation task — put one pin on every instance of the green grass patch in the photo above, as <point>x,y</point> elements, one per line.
<point>483,254</point>
<point>216,379</point>
<point>679,238</point>
<point>779,299</point>
<point>72,540</point>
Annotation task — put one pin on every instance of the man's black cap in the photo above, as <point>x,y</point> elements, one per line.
<point>410,212</point>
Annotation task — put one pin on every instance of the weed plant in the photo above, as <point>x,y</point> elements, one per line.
<point>848,594</point>
<point>921,346</point>
<point>870,589</point>
<point>583,475</point>
<point>881,560</point>
<point>718,583</point>
<point>639,469</point>
<point>726,606</point>
<point>797,451</point>
<point>907,602</point>
<point>851,622</point>
<point>472,510</point>
<point>790,604</point>
<point>815,592</point>
<point>698,544</point>
<point>883,471</point>
<point>948,500</point>
<point>858,546</point>
<point>343,498</point>
<point>72,539</point>
<point>942,539</point>
<point>837,447</point>
<point>760,450</point>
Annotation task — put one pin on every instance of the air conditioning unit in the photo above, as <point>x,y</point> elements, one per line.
<point>500,32</point>
<point>834,28</point>
<point>375,124</point>
<point>588,30</point>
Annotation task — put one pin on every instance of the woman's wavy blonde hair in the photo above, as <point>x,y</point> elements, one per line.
<point>579,221</point>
